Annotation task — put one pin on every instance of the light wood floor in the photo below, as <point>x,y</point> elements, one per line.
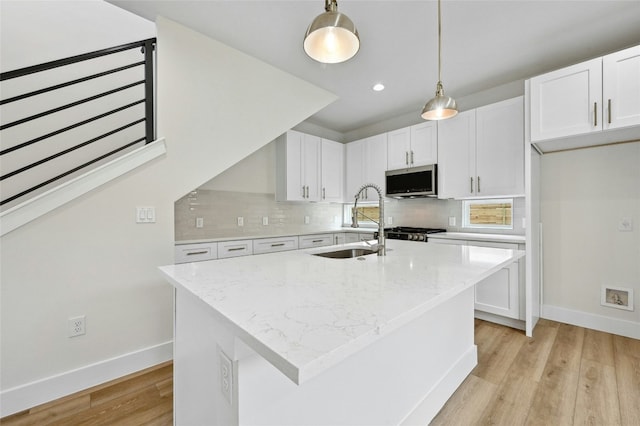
<point>564,375</point>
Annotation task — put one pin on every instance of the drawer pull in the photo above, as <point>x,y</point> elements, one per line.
<point>277,245</point>
<point>236,248</point>
<point>609,109</point>
<point>193,253</point>
<point>595,114</point>
<point>317,241</point>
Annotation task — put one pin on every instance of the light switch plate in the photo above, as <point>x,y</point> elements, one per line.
<point>240,221</point>
<point>625,224</point>
<point>265,220</point>
<point>145,214</point>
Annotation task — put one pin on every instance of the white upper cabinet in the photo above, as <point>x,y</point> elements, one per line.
<point>298,157</point>
<point>456,156</point>
<point>332,171</point>
<point>412,146</point>
<point>366,163</point>
<point>621,88</point>
<point>500,148</point>
<point>567,101</point>
<point>481,152</point>
<point>587,98</point>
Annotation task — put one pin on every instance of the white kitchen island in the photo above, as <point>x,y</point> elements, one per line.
<point>313,340</point>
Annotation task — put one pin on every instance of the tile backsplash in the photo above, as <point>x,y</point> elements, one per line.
<point>220,210</point>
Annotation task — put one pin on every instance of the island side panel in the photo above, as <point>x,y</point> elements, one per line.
<point>198,338</point>
<point>405,377</point>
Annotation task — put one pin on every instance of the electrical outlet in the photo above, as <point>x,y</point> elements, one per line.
<point>199,222</point>
<point>265,220</point>
<point>452,221</point>
<point>76,326</point>
<point>390,220</point>
<point>306,220</point>
<point>240,221</point>
<point>226,376</point>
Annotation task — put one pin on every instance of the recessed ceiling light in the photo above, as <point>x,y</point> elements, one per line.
<point>378,87</point>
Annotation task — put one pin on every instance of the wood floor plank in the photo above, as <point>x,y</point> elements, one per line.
<point>466,405</point>
<point>627,360</point>
<point>534,354</point>
<point>555,397</point>
<point>141,382</point>
<point>50,412</point>
<point>498,356</point>
<point>598,346</point>
<point>594,406</point>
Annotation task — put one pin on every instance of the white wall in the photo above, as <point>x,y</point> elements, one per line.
<point>90,258</point>
<point>585,193</point>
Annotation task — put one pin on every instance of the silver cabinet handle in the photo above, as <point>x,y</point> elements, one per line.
<point>277,245</point>
<point>471,178</point>
<point>609,109</point>
<point>412,158</point>
<point>335,239</point>
<point>316,241</point>
<point>324,193</point>
<point>478,184</point>
<point>406,158</point>
<point>236,249</point>
<point>307,191</point>
<point>595,114</point>
<point>193,253</point>
<point>302,191</point>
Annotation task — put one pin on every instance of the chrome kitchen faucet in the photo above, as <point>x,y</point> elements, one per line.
<point>354,216</point>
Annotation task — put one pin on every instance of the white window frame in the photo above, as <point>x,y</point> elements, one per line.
<point>466,205</point>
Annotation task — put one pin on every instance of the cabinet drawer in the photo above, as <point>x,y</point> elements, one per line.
<point>354,237</point>
<point>445,241</point>
<point>271,245</point>
<point>511,246</point>
<point>234,249</point>
<point>318,240</point>
<point>185,253</point>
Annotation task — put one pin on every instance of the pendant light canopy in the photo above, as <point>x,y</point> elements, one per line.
<point>440,107</point>
<point>332,37</point>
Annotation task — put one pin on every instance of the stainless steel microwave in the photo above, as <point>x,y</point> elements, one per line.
<point>413,182</point>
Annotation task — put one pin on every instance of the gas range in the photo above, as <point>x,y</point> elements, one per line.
<point>409,233</point>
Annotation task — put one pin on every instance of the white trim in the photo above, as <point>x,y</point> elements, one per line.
<point>35,393</point>
<point>24,213</point>
<point>499,319</point>
<point>437,396</point>
<point>596,322</point>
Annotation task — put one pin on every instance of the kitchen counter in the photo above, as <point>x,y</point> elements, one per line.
<point>312,318</point>
<point>476,236</point>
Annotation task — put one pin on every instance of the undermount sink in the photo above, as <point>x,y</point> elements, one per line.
<point>346,253</point>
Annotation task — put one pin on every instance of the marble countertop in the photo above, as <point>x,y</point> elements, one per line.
<point>306,313</point>
<point>477,236</point>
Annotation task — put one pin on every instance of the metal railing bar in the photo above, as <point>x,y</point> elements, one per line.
<point>75,169</point>
<point>148,90</point>
<point>68,150</point>
<point>71,60</point>
<point>70,83</point>
<point>67,106</point>
<point>73,126</point>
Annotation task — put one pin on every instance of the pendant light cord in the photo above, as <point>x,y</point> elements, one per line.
<point>439,45</point>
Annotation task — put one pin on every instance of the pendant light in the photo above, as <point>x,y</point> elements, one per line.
<point>440,107</point>
<point>332,37</point>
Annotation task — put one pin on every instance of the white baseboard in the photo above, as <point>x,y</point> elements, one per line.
<point>29,395</point>
<point>435,399</point>
<point>596,322</point>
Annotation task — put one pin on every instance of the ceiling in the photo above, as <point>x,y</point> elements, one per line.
<point>485,44</point>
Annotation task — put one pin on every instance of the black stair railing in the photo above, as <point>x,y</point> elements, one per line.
<point>146,48</point>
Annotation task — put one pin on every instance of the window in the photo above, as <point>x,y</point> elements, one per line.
<point>366,214</point>
<point>496,214</point>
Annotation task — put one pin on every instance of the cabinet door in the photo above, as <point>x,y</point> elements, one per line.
<point>375,164</point>
<point>424,144</point>
<point>289,174</point>
<point>332,171</point>
<point>621,88</point>
<point>311,157</point>
<point>500,149</point>
<point>456,156</point>
<point>567,102</point>
<point>354,153</point>
<point>398,149</point>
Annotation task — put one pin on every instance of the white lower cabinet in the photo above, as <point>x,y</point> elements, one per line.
<point>272,245</point>
<point>234,248</point>
<point>185,253</point>
<point>354,237</point>
<point>500,294</point>
<point>317,240</point>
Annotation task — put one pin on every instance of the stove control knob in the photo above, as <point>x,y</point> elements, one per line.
<point>421,237</point>
<point>409,237</point>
